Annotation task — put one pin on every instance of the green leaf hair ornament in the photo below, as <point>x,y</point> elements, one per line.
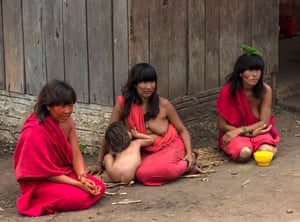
<point>251,51</point>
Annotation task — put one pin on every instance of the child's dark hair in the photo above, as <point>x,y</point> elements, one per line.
<point>243,63</point>
<point>54,93</point>
<point>117,137</point>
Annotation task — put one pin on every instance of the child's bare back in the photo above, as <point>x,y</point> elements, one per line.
<point>123,158</point>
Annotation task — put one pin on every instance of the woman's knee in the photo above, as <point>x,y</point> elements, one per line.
<point>268,147</point>
<point>245,154</point>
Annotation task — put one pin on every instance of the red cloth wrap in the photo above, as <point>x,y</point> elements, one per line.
<point>162,161</point>
<point>237,112</point>
<point>136,121</point>
<point>44,151</point>
<point>47,146</point>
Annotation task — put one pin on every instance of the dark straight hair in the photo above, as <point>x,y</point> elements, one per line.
<point>243,63</point>
<point>54,93</point>
<point>141,72</point>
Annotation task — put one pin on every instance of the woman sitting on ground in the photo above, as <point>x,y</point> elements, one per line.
<point>47,161</point>
<point>244,107</point>
<point>142,109</point>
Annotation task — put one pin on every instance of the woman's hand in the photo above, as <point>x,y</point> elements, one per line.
<point>261,130</point>
<point>89,186</point>
<point>190,160</point>
<point>229,135</point>
<point>134,133</point>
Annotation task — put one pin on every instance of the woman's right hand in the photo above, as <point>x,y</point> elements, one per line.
<point>89,186</point>
<point>229,135</point>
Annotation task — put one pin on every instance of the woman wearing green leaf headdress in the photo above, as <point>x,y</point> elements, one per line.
<point>245,122</point>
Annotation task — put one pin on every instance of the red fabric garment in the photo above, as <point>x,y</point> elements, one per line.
<point>237,112</point>
<point>43,151</point>
<point>163,166</point>
<point>136,121</point>
<point>162,161</point>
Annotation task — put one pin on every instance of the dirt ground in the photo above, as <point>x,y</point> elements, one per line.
<point>235,192</point>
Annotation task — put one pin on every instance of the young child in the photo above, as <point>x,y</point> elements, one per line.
<point>123,147</point>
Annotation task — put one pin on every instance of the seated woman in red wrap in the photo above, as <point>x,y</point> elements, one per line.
<point>48,163</point>
<point>142,109</point>
<point>244,107</point>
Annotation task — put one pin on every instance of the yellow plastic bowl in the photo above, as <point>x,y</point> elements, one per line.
<point>263,158</point>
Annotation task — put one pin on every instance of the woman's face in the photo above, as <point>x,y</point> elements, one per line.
<point>250,77</point>
<point>60,113</point>
<point>145,89</point>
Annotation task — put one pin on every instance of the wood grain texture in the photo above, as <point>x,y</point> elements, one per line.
<point>13,45</point>
<point>34,45</point>
<point>100,51</point>
<point>53,29</point>
<point>75,47</point>
<point>196,46</point>
<point>120,44</point>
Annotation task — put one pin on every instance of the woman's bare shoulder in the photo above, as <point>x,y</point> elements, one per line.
<point>267,86</point>
<point>164,101</point>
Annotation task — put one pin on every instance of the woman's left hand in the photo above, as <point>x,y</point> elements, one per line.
<point>261,130</point>
<point>190,160</point>
<point>90,186</point>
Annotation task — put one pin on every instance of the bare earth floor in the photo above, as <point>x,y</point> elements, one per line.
<point>235,192</point>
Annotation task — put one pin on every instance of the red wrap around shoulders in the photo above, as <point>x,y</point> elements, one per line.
<point>162,161</point>
<point>136,121</point>
<point>237,112</point>
<point>43,151</point>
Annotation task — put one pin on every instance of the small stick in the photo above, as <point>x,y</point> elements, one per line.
<point>245,183</point>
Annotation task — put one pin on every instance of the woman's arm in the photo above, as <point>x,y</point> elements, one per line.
<point>266,105</point>
<point>88,185</point>
<point>262,126</point>
<point>174,118</point>
<point>78,162</point>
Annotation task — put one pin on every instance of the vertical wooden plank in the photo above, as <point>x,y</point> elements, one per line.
<point>34,50</point>
<point>272,35</point>
<point>196,46</point>
<point>228,37</point>
<point>120,47</point>
<point>75,47</point>
<point>262,27</point>
<point>139,33</point>
<point>13,45</point>
<point>212,44</point>
<point>177,49</point>
<point>244,24</point>
<point>53,29</point>
<point>2,78</point>
<point>159,43</point>
<point>259,37</point>
<point>99,20</point>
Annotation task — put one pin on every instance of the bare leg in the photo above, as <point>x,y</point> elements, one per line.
<point>268,147</point>
<point>245,154</point>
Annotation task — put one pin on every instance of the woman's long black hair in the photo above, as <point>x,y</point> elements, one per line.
<point>141,72</point>
<point>243,63</point>
<point>54,93</point>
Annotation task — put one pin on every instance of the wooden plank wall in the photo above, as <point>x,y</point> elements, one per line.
<point>193,44</point>
<point>91,44</point>
<point>2,86</point>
